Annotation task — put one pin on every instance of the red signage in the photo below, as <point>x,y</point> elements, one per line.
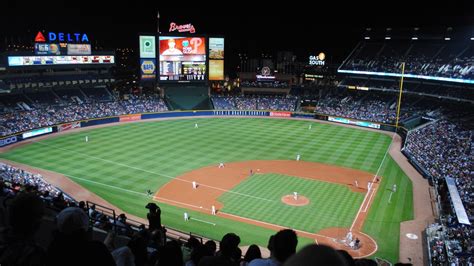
<point>39,37</point>
<point>182,28</point>
<point>280,114</point>
<point>128,118</point>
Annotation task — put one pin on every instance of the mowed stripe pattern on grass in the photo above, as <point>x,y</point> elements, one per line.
<point>114,156</point>
<point>331,205</point>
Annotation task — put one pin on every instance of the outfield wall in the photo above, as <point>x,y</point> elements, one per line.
<point>11,139</point>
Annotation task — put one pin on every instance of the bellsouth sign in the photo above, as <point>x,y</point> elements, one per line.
<point>63,37</point>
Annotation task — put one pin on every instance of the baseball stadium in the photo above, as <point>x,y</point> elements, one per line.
<point>369,157</point>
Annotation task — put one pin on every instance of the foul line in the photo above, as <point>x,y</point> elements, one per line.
<point>202,221</point>
<point>154,173</point>
<point>373,179</point>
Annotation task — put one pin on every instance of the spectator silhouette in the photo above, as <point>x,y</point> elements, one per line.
<point>153,216</point>
<point>19,248</point>
<point>134,253</point>
<point>281,247</point>
<point>228,249</point>
<point>253,252</point>
<point>320,255</point>
<point>71,244</point>
<point>171,255</point>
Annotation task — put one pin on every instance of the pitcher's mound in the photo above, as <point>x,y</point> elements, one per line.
<point>290,200</point>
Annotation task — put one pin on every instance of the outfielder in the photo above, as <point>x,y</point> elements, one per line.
<point>196,125</point>
<point>309,128</point>
<point>394,188</point>
<point>87,138</point>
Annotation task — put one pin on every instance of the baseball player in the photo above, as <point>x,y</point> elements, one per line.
<point>298,157</point>
<point>356,183</point>
<point>349,237</point>
<point>213,210</point>
<point>309,128</point>
<point>196,125</point>
<point>186,216</point>
<point>295,195</point>
<point>394,188</point>
<point>194,185</point>
<point>87,138</point>
<point>149,193</point>
<point>221,165</point>
<point>369,185</point>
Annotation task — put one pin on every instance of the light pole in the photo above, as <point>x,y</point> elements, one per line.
<point>158,22</point>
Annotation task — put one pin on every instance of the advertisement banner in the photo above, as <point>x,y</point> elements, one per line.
<point>128,118</point>
<point>148,68</point>
<point>216,69</point>
<point>37,132</point>
<point>15,61</point>
<point>280,114</point>
<point>47,49</point>
<point>353,122</point>
<point>8,140</point>
<point>240,113</point>
<point>79,49</point>
<point>147,47</point>
<point>216,48</point>
<point>68,126</point>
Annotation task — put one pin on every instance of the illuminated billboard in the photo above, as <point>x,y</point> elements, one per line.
<point>182,58</point>
<point>47,49</point>
<point>148,68</point>
<point>216,48</point>
<point>79,49</point>
<point>216,69</point>
<point>18,61</point>
<point>147,47</point>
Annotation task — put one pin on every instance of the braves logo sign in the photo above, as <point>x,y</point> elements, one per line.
<point>182,28</point>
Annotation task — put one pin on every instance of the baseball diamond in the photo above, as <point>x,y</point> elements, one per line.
<point>119,163</point>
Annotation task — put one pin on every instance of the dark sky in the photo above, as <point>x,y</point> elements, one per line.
<point>252,26</point>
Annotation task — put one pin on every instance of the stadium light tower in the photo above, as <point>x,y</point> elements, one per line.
<point>158,21</point>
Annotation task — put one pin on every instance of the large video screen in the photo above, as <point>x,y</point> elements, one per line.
<point>216,48</point>
<point>182,58</point>
<point>18,61</point>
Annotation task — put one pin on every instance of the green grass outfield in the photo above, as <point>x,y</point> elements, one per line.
<point>119,163</point>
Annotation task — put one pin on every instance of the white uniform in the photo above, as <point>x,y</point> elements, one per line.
<point>349,237</point>
<point>309,127</point>
<point>194,184</point>
<point>394,188</point>
<point>295,195</point>
<point>213,210</point>
<point>221,165</point>
<point>369,185</point>
<point>186,216</point>
<point>357,183</point>
<point>196,125</point>
<point>87,138</point>
<point>298,157</point>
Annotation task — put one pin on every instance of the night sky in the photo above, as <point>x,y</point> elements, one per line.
<point>252,27</point>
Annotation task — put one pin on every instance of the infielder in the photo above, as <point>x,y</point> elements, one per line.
<point>194,185</point>
<point>186,216</point>
<point>356,183</point>
<point>298,157</point>
<point>213,210</point>
<point>221,165</point>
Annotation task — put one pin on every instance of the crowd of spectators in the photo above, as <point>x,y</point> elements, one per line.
<point>284,103</point>
<point>449,60</point>
<point>13,122</point>
<point>375,108</point>
<point>445,149</point>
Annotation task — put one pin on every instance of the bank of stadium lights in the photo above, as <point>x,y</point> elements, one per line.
<point>414,38</point>
<point>447,39</point>
<point>388,38</point>
<point>472,38</point>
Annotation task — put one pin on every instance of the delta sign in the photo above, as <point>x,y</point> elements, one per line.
<point>62,37</point>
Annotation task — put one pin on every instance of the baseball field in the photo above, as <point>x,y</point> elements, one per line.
<point>254,192</point>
